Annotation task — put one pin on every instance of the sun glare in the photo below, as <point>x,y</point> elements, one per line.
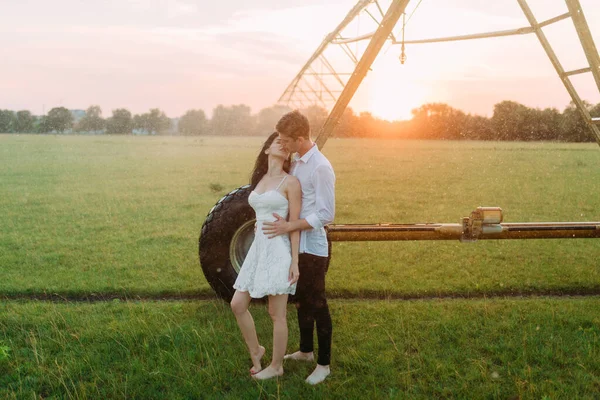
<point>392,93</point>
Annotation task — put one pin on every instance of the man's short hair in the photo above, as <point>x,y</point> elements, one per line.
<point>294,124</point>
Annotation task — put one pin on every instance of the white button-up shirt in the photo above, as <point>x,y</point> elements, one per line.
<point>316,176</point>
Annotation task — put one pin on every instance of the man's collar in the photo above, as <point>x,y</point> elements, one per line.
<point>306,155</point>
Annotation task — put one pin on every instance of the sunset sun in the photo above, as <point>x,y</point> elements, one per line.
<point>392,92</point>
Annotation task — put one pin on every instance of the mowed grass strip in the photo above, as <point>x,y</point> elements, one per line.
<point>510,348</point>
<point>85,215</point>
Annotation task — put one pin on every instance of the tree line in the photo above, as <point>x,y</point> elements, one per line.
<point>61,120</point>
<point>510,121</point>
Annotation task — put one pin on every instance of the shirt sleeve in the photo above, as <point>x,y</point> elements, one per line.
<point>324,182</point>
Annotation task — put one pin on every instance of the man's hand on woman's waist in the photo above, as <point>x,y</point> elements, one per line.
<point>280,226</point>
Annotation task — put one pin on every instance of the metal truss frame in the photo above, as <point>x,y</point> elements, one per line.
<point>484,222</point>
<point>312,84</point>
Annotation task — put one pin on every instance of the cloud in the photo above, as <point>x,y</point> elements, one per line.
<point>181,53</point>
<point>173,8</point>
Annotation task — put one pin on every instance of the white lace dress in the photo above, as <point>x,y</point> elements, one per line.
<point>265,270</point>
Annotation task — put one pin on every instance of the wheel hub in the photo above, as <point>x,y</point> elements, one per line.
<point>240,244</point>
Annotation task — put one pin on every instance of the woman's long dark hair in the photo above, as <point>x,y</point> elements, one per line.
<point>261,165</point>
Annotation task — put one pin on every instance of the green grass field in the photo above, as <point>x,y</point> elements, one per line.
<point>94,216</point>
<point>122,215</point>
<point>469,349</point>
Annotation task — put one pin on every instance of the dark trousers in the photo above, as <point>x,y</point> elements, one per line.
<point>312,307</point>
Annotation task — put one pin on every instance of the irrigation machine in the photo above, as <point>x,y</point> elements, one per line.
<point>228,230</point>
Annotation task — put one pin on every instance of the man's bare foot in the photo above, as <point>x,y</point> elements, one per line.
<point>256,367</point>
<point>319,374</point>
<point>269,372</point>
<point>300,356</point>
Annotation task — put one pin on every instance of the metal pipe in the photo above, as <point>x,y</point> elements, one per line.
<point>388,22</point>
<point>350,55</point>
<point>578,71</point>
<point>509,32</point>
<point>559,69</point>
<point>399,232</point>
<point>585,37</point>
<point>328,65</point>
<point>317,77</point>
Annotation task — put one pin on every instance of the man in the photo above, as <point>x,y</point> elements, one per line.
<point>317,179</point>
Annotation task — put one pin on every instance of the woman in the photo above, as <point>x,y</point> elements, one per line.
<point>271,266</point>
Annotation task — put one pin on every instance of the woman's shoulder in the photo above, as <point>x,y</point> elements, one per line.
<point>292,182</point>
<point>291,179</point>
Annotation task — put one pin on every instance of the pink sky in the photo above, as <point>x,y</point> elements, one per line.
<point>182,54</point>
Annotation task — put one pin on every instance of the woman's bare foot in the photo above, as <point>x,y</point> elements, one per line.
<point>256,367</point>
<point>300,356</point>
<point>269,372</point>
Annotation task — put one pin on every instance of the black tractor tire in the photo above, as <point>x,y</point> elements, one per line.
<point>226,236</point>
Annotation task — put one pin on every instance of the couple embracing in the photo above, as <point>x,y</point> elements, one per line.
<point>293,202</point>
